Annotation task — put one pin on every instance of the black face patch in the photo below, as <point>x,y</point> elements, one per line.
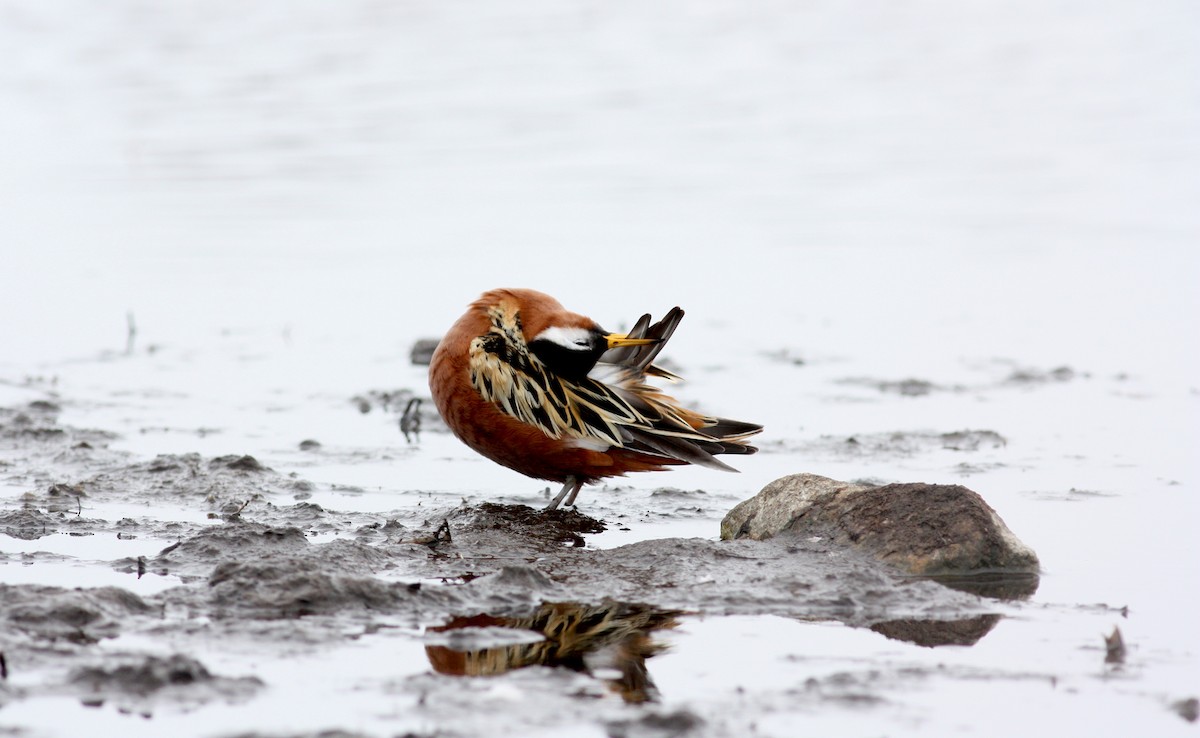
<point>569,363</point>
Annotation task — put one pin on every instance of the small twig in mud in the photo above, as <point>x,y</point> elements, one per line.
<point>410,421</point>
<point>233,515</point>
<point>141,566</point>
<point>130,334</point>
<point>1188,709</point>
<point>441,533</point>
<point>437,534</point>
<point>3,666</point>
<point>1114,646</point>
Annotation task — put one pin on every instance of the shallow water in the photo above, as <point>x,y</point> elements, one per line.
<point>887,224</point>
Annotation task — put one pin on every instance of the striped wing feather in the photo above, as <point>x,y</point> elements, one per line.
<point>648,420</point>
<point>613,405</point>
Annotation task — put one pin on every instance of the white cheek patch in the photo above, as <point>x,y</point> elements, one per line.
<point>576,339</point>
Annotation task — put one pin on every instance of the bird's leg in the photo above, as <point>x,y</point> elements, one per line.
<point>571,488</point>
<point>574,493</point>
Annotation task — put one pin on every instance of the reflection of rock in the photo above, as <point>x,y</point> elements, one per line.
<point>610,637</point>
<point>932,633</point>
<point>1000,585</point>
<point>923,529</point>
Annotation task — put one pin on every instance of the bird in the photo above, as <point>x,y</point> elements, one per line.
<point>550,394</point>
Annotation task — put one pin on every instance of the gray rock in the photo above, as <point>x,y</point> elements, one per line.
<point>422,351</point>
<point>922,529</point>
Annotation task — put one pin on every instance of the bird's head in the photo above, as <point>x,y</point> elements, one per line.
<point>525,322</point>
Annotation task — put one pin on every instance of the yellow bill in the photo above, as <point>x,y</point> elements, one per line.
<point>616,340</point>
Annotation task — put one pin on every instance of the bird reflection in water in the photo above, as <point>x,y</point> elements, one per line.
<point>610,641</point>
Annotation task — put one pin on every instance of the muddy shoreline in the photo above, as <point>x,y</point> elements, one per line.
<point>255,561</point>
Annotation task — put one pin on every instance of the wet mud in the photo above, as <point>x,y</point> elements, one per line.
<point>140,680</point>
<point>246,561</point>
<point>893,445</point>
<point>1006,374</point>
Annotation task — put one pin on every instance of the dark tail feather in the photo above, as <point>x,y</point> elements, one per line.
<point>682,449</point>
<point>725,428</point>
<point>699,438</point>
<point>639,357</point>
<point>627,355</point>
<point>738,448</point>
